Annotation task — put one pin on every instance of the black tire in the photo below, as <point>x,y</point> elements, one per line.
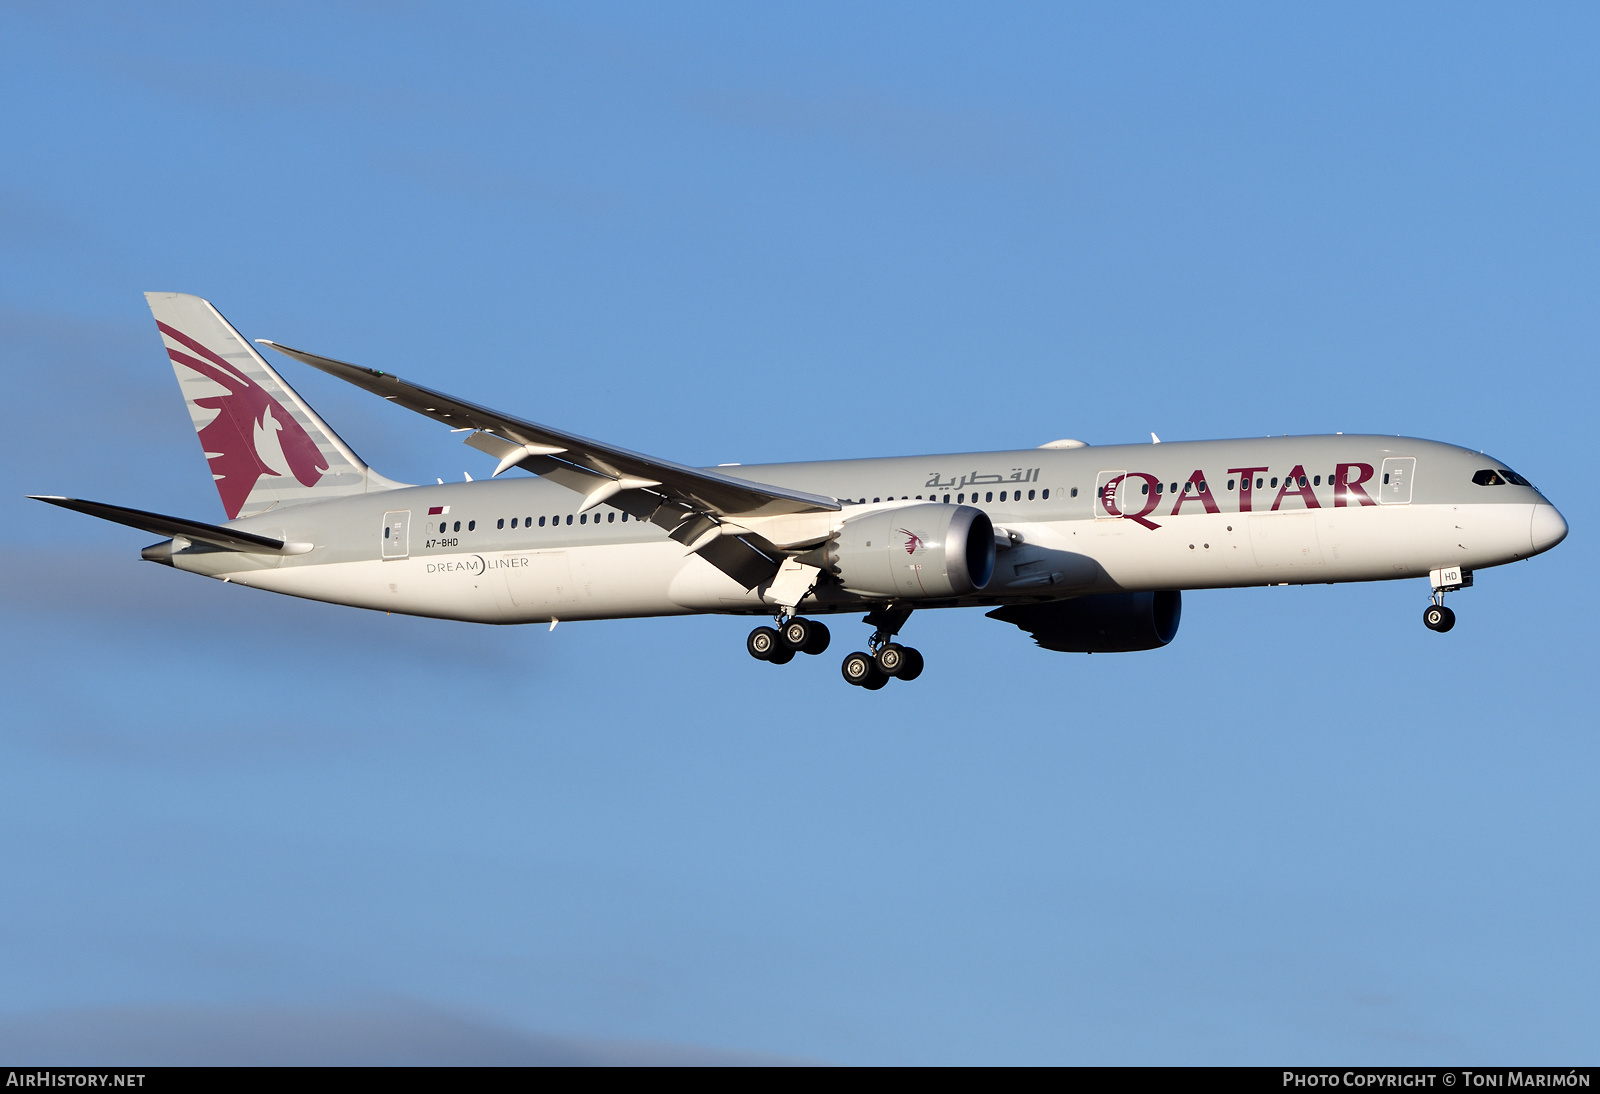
<point>763,643</point>
<point>781,656</point>
<point>876,680</point>
<point>1439,618</point>
<point>796,633</point>
<point>819,640</point>
<point>858,669</point>
<point>891,659</point>
<point>913,665</point>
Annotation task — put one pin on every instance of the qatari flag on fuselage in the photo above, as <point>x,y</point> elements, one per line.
<point>438,510</point>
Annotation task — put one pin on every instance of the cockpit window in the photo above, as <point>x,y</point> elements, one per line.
<point>1491,476</point>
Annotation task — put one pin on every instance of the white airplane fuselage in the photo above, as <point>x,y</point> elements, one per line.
<point>516,551</point>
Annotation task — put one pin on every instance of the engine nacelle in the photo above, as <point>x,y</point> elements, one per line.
<point>915,552</point>
<point>1106,623</point>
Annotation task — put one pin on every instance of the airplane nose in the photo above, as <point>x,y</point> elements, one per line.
<point>1548,529</point>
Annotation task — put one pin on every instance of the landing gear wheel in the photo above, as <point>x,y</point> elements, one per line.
<point>763,643</point>
<point>804,636</point>
<point>891,659</point>
<point>913,665</point>
<point>859,669</point>
<point>1438,618</point>
<point>781,656</point>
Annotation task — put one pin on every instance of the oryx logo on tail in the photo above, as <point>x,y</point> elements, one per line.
<point>252,434</point>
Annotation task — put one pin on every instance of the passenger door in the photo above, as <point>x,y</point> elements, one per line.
<point>1395,486</point>
<point>397,534</point>
<point>1108,490</point>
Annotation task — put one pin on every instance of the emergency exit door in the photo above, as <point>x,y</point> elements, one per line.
<point>397,534</point>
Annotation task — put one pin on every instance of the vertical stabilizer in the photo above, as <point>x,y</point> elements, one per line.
<point>266,446</point>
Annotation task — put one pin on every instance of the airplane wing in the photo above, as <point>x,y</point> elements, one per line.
<point>229,539</point>
<point>599,471</point>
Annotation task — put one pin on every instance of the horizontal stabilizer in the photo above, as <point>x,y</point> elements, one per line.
<point>229,539</point>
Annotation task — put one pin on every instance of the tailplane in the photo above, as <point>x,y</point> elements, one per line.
<point>266,446</point>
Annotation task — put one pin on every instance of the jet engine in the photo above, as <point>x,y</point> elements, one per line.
<point>1105,623</point>
<point>915,552</point>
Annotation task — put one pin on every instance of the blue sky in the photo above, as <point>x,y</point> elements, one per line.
<point>1308,831</point>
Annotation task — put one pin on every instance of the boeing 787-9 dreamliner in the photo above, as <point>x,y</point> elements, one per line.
<point>1086,548</point>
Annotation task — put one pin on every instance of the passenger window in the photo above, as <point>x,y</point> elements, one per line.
<point>442,527</point>
<point>386,531</point>
<point>1302,480</point>
<point>989,496</point>
<point>1160,487</point>
<point>501,523</point>
<point>1258,483</point>
<point>583,518</point>
<point>569,518</point>
<point>458,526</point>
<point>1046,496</point>
<point>1316,480</point>
<point>513,522</point>
<point>1386,479</point>
<point>1030,495</point>
<point>472,526</point>
<point>1002,495</point>
<point>961,499</point>
<point>1230,484</point>
<point>947,499</point>
<point>624,518</point>
<point>1274,480</point>
<point>541,522</point>
<point>611,518</point>
<point>1145,489</point>
<point>1202,486</point>
<point>1174,488</point>
<point>874,499</point>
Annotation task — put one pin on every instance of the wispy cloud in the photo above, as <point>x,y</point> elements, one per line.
<point>394,1034</point>
<point>121,591</point>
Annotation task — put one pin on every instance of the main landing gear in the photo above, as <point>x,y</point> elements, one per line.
<point>793,635</point>
<point>888,659</point>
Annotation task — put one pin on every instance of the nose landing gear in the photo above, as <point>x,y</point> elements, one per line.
<point>1437,617</point>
